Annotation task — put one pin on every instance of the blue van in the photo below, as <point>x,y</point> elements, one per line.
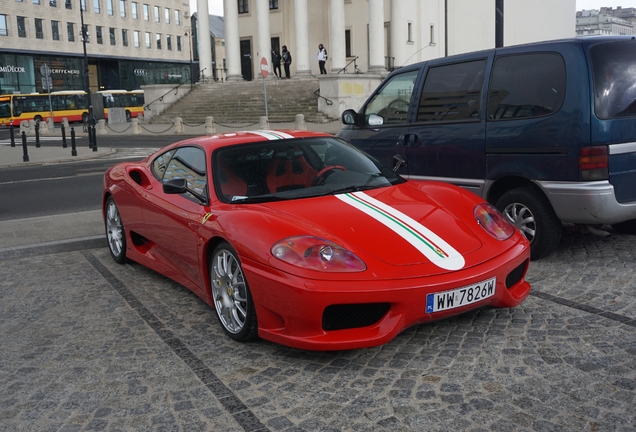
<point>546,131</point>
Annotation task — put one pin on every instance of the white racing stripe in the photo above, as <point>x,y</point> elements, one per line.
<point>433,247</point>
<point>271,135</point>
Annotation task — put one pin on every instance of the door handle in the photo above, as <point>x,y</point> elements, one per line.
<point>408,140</point>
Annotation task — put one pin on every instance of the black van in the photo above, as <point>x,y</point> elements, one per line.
<point>546,131</point>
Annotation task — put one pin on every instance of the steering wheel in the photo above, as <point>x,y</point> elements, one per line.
<point>326,172</point>
<point>398,106</point>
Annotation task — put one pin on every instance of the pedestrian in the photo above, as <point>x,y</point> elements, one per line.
<point>322,58</point>
<point>276,64</point>
<point>287,59</point>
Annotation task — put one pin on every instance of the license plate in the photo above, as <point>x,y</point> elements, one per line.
<point>452,299</point>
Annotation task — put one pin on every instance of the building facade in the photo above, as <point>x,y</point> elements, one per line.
<point>606,21</point>
<point>129,44</point>
<point>375,35</point>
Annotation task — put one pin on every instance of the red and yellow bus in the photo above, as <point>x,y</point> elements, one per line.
<point>15,108</point>
<point>132,101</point>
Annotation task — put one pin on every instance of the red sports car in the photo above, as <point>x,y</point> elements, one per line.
<point>301,239</point>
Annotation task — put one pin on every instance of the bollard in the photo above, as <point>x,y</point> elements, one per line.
<point>64,136</point>
<point>300,122</point>
<point>209,125</point>
<point>73,148</point>
<point>94,132</point>
<point>25,152</point>
<point>263,123</point>
<point>37,134</point>
<point>178,125</point>
<point>12,136</point>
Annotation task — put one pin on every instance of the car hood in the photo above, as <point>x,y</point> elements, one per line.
<point>398,225</point>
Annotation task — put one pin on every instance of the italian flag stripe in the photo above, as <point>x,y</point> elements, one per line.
<point>272,135</point>
<point>438,251</point>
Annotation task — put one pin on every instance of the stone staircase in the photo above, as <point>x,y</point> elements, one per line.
<point>243,102</point>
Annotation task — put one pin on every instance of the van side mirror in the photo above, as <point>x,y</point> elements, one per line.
<point>349,117</point>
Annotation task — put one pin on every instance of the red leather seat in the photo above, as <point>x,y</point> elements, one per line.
<point>289,170</point>
<point>231,184</point>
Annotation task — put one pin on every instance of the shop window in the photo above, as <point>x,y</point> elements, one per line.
<point>157,17</point>
<point>243,6</point>
<point>158,39</point>
<point>169,42</point>
<point>39,31</point>
<point>124,37</point>
<point>273,4</point>
<point>21,27</point>
<point>122,8</point>
<point>70,32</point>
<point>111,33</point>
<point>135,11</point>
<point>3,25</point>
<point>55,30</point>
<point>98,34</point>
<point>96,6</point>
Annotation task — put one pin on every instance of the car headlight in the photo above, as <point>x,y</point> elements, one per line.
<point>493,222</point>
<point>315,253</point>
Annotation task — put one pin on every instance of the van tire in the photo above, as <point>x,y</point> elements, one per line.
<point>544,231</point>
<point>627,227</point>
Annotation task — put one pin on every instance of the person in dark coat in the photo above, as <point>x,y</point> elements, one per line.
<point>287,60</point>
<point>276,64</point>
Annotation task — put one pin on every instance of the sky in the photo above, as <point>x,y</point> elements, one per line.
<point>216,6</point>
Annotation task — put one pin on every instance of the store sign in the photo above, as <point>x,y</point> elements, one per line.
<point>140,72</point>
<point>18,69</point>
<point>169,76</point>
<point>65,71</point>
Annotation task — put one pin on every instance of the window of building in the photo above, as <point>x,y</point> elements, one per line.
<point>97,8</point>
<point>36,1</point>
<point>111,33</point>
<point>432,34</point>
<point>53,3</point>
<point>158,39</point>
<point>178,43</point>
<point>527,85</point>
<point>409,32</point>
<point>177,17</point>
<point>98,34</point>
<point>135,11</point>
<point>109,7</point>
<point>124,37</point>
<point>348,43</point>
<point>148,44</point>
<point>55,30</point>
<point>243,6</point>
<point>136,38</point>
<point>146,13</point>
<point>166,16</point>
<point>83,5</point>
<point>169,42</point>
<point>68,4</point>
<point>4,31</point>
<point>122,8</point>
<point>273,4</point>
<point>39,31</point>
<point>70,32</point>
<point>452,93</point>
<point>21,27</point>
<point>157,17</point>
<point>85,33</point>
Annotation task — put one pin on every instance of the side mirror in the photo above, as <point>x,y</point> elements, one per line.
<point>375,120</point>
<point>349,117</point>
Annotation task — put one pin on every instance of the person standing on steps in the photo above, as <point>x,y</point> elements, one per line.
<point>276,64</point>
<point>322,58</point>
<point>287,60</point>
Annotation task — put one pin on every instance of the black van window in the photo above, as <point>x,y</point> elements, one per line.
<point>391,103</point>
<point>526,85</point>
<point>452,92</point>
<point>614,66</point>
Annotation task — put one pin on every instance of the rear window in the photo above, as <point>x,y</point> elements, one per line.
<point>614,68</point>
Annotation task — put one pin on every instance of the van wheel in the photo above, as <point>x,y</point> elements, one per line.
<point>533,215</point>
<point>627,227</point>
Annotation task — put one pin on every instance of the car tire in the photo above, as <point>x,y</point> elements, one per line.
<point>231,295</point>
<point>533,215</point>
<point>115,233</point>
<point>627,227</point>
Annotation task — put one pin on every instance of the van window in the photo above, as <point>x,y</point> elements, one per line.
<point>526,85</point>
<point>614,67</point>
<point>452,92</point>
<point>392,101</point>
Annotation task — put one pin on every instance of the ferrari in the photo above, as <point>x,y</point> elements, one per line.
<point>300,239</point>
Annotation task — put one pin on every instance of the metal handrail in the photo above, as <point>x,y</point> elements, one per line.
<point>329,101</point>
<point>160,98</point>
<point>355,66</point>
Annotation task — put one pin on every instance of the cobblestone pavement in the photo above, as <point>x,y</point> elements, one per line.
<point>86,344</point>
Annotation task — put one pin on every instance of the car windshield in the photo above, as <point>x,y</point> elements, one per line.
<point>295,168</point>
<point>614,65</point>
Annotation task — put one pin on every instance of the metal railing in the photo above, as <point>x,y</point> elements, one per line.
<point>160,98</point>
<point>329,101</point>
<point>355,66</point>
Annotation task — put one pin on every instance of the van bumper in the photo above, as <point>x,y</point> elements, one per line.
<point>587,202</point>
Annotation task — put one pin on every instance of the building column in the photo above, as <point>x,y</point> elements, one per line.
<point>399,31</point>
<point>301,57</point>
<point>376,36</point>
<point>232,40</point>
<point>264,36</point>
<point>337,21</point>
<point>204,40</point>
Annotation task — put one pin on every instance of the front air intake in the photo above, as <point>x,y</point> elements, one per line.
<point>346,316</point>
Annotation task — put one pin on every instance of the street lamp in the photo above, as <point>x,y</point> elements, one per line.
<point>91,117</point>
<point>188,34</point>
